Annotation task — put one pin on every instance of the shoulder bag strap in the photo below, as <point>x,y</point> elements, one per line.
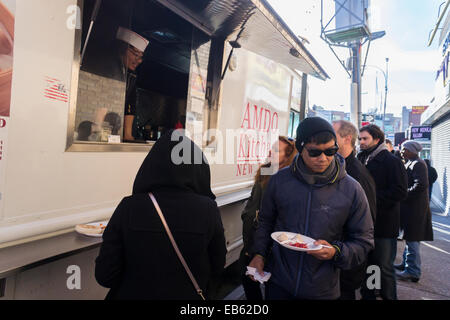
<point>174,244</point>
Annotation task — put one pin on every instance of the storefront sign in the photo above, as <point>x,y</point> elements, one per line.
<point>443,69</point>
<point>7,10</point>
<point>419,109</point>
<point>255,140</point>
<point>445,45</point>
<point>3,136</point>
<point>421,133</point>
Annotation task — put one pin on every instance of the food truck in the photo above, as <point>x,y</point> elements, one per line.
<point>205,66</point>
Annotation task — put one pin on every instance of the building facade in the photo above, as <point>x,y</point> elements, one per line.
<point>438,117</point>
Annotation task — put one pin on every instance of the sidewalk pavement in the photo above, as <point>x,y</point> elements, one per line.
<point>434,283</point>
<point>437,210</point>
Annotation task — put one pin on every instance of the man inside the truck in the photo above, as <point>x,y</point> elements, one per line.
<point>118,72</point>
<point>131,58</point>
<point>117,60</point>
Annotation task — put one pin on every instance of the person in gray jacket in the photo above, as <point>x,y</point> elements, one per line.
<point>314,197</point>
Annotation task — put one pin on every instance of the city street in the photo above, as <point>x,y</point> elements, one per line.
<point>435,282</point>
<point>180,142</point>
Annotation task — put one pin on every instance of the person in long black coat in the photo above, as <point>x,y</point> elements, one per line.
<point>346,134</point>
<point>391,180</point>
<point>415,212</point>
<point>136,259</point>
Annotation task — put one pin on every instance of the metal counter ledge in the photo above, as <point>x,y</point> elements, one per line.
<point>29,255</point>
<point>16,259</point>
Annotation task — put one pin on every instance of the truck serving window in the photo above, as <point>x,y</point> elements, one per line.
<point>134,75</point>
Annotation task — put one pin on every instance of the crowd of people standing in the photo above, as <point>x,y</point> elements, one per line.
<point>353,204</point>
<point>360,222</point>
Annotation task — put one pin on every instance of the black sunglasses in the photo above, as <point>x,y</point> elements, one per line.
<point>314,153</point>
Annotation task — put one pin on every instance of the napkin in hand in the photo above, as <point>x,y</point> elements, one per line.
<point>252,271</point>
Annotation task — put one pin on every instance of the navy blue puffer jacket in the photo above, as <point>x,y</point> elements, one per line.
<point>331,211</point>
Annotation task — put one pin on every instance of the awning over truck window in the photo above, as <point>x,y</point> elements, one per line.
<point>254,25</point>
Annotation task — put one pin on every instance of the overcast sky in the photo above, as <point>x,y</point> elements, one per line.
<point>412,65</point>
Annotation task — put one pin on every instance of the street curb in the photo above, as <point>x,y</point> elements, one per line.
<point>236,294</point>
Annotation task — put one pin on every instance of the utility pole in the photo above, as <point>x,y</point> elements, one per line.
<point>355,94</point>
<point>350,30</point>
<point>303,96</point>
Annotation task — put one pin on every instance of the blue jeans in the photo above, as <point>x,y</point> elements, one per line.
<point>383,256</point>
<point>411,258</point>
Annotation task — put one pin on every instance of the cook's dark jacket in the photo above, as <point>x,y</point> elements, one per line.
<point>329,211</point>
<point>137,260</point>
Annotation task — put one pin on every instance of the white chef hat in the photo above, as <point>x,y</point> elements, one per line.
<point>131,37</point>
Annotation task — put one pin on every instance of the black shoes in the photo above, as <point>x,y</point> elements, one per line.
<point>400,267</point>
<point>406,277</point>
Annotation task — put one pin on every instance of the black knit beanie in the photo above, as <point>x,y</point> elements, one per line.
<point>310,127</point>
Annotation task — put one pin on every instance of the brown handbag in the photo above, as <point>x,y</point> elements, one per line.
<point>174,244</point>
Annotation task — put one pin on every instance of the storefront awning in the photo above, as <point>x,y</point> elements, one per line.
<point>254,25</point>
<point>434,113</point>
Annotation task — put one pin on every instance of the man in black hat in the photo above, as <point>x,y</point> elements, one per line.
<point>316,198</point>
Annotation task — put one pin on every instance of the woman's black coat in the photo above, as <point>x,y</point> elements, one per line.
<point>415,210</point>
<point>137,260</point>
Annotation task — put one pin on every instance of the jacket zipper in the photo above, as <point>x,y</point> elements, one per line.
<point>308,211</point>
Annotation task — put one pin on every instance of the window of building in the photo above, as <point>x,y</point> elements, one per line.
<point>294,120</point>
<point>296,93</point>
<point>136,77</point>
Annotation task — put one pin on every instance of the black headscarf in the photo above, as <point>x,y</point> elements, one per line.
<point>190,171</point>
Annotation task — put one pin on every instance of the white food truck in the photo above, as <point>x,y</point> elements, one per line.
<point>64,159</point>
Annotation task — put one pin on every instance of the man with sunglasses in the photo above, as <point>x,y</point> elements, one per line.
<point>314,197</point>
<point>391,183</point>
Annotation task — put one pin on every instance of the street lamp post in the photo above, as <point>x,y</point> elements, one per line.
<point>385,74</point>
<point>355,93</point>
<point>385,91</point>
<point>355,89</point>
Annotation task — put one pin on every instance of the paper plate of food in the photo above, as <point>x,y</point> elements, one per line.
<point>295,241</point>
<point>94,229</point>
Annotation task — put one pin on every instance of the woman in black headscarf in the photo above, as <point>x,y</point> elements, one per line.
<point>137,260</point>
